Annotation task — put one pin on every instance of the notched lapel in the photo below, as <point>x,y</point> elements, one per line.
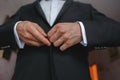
<point>40,11</point>
<point>63,10</point>
<point>61,13</point>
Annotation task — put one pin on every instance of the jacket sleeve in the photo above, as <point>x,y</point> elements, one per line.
<point>7,38</point>
<point>101,31</point>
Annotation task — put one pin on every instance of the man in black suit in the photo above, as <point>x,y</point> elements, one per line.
<point>54,43</point>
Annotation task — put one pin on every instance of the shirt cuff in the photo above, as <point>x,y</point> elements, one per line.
<point>20,43</point>
<point>84,38</point>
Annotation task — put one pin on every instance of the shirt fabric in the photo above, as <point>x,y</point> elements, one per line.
<point>51,12</point>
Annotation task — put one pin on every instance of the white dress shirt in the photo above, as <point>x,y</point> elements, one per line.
<point>51,9</point>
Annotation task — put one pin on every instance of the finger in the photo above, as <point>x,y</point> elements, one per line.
<point>61,40</point>
<point>58,42</point>
<point>66,45</point>
<point>52,31</point>
<point>33,43</point>
<point>40,30</point>
<point>29,36</point>
<point>40,37</point>
<point>55,36</point>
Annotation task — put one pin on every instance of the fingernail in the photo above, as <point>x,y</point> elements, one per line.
<point>62,49</point>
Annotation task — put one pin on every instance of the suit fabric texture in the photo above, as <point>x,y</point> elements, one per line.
<point>49,63</point>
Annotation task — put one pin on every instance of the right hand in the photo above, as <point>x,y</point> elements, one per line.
<point>32,34</point>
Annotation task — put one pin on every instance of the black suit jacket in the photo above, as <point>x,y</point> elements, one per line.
<point>49,63</point>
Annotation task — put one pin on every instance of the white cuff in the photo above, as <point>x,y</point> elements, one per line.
<point>20,43</point>
<point>84,41</point>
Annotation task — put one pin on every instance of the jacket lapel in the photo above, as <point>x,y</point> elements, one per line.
<point>61,13</point>
<point>63,10</point>
<point>40,11</point>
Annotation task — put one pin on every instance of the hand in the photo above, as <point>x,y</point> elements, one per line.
<point>32,34</point>
<point>65,35</point>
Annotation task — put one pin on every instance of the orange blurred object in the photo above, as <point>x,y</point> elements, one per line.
<point>93,72</point>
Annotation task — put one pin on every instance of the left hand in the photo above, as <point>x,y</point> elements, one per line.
<point>65,35</point>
